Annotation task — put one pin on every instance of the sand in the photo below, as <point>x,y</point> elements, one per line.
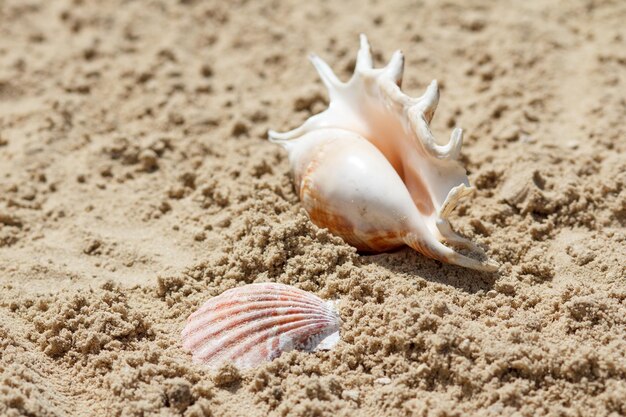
<point>136,182</point>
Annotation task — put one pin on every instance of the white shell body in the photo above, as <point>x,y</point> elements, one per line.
<point>255,323</point>
<point>369,169</point>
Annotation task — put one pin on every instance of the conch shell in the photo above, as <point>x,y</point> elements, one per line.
<point>369,169</point>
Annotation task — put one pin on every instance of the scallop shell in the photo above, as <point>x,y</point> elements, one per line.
<point>369,169</point>
<point>255,323</point>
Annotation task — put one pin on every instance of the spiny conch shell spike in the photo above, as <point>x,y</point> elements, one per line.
<point>364,56</point>
<point>369,169</point>
<point>255,323</point>
<point>327,75</point>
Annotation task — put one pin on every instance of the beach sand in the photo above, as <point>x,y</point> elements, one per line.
<point>136,182</point>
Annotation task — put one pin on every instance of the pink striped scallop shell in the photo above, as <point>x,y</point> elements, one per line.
<point>255,323</point>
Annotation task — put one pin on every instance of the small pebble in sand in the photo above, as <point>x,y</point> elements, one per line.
<point>352,394</point>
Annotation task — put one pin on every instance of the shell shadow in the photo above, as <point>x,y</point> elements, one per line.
<point>409,262</point>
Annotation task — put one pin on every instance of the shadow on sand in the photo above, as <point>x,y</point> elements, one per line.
<point>409,262</point>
